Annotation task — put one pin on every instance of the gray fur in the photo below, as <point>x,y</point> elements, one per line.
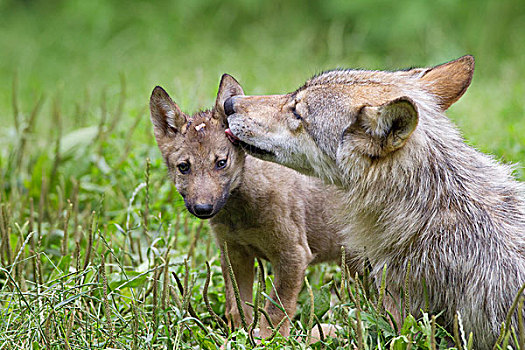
<point>415,192</point>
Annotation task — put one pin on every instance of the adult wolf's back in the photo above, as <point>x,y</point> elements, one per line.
<point>416,192</point>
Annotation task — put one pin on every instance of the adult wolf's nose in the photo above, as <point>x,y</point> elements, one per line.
<point>203,210</point>
<point>228,106</point>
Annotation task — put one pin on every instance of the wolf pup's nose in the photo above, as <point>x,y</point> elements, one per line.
<point>228,106</point>
<point>203,209</point>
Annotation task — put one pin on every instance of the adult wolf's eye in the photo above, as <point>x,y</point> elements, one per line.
<point>296,114</point>
<point>221,163</point>
<point>184,167</point>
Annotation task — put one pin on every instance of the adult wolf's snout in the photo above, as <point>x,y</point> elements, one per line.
<point>229,106</point>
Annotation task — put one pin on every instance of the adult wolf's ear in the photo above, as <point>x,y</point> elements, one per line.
<point>228,87</point>
<point>450,80</point>
<point>380,130</point>
<point>166,116</point>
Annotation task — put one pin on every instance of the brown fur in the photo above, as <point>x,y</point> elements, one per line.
<point>415,192</point>
<point>259,208</point>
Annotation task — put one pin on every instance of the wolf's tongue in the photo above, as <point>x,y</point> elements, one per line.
<point>233,139</point>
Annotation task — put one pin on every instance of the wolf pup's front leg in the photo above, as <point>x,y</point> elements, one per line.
<point>242,263</point>
<point>289,271</point>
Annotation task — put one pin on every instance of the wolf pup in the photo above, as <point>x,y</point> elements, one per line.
<point>415,192</point>
<point>259,208</point>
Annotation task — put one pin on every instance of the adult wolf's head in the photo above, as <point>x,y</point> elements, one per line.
<point>345,115</point>
<point>202,162</point>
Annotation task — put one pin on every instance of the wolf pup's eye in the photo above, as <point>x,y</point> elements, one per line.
<point>221,163</point>
<point>184,167</point>
<point>296,114</point>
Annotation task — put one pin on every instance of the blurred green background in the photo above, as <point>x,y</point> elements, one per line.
<point>76,49</point>
<point>89,142</point>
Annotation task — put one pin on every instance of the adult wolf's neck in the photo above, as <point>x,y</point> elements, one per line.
<point>435,187</point>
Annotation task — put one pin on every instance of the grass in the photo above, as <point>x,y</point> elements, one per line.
<point>95,238</point>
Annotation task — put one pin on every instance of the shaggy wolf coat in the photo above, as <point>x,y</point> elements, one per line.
<point>415,192</point>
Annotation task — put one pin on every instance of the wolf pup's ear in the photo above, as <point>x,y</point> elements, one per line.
<point>381,130</point>
<point>166,116</point>
<point>228,87</point>
<point>449,81</point>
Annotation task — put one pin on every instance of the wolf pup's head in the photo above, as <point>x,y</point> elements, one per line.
<point>202,162</point>
<point>345,116</point>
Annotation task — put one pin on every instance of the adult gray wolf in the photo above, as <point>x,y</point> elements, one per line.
<point>415,192</point>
